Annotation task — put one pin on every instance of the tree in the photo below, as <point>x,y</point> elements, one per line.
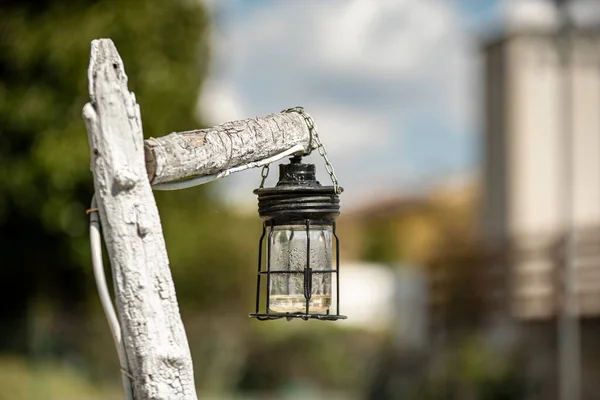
<point>45,182</point>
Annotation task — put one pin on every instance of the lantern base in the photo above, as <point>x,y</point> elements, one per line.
<point>289,316</point>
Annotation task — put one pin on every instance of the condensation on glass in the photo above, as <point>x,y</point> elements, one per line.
<point>289,253</point>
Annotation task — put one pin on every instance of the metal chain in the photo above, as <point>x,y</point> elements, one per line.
<point>264,173</point>
<point>314,136</point>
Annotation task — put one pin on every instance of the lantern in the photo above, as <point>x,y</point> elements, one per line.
<point>299,223</point>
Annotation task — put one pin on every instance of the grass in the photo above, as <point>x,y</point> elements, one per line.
<point>21,379</point>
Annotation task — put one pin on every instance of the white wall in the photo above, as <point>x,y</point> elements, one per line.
<point>379,297</point>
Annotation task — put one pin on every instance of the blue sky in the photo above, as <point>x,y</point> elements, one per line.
<point>393,85</point>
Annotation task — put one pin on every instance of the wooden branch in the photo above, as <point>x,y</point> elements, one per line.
<point>209,151</point>
<point>157,348</point>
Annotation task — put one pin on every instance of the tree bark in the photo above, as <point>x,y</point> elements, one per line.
<point>158,354</point>
<point>209,151</point>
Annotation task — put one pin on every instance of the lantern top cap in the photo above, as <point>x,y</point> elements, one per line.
<point>298,196</point>
<point>297,173</point>
<point>297,176</point>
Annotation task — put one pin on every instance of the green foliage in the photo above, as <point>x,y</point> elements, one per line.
<point>288,355</point>
<point>44,54</point>
<point>380,244</point>
<point>473,370</point>
<point>45,182</point>
<point>212,252</point>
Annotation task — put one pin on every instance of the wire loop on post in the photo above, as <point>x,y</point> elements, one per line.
<point>105,300</point>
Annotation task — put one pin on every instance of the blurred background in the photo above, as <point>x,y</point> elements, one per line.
<point>466,134</point>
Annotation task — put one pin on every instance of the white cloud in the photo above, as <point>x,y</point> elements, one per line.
<point>220,102</point>
<point>349,132</point>
<point>366,70</point>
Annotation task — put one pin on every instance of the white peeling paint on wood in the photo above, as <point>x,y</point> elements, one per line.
<point>209,151</point>
<point>155,341</point>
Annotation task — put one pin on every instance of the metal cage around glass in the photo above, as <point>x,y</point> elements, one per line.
<point>299,223</point>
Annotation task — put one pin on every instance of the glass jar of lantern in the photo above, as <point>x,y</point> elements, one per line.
<point>299,221</point>
<point>289,253</point>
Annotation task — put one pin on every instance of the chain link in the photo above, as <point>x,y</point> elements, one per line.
<point>264,173</point>
<point>314,137</point>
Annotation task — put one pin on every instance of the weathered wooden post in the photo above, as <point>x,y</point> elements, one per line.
<point>124,167</point>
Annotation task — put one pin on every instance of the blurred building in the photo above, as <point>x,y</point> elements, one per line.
<point>525,187</point>
<point>524,168</point>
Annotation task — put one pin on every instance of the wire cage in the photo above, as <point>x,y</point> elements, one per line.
<point>299,222</point>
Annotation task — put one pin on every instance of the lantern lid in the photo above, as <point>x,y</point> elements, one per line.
<point>298,196</point>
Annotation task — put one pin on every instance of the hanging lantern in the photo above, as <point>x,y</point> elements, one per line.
<point>299,222</point>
